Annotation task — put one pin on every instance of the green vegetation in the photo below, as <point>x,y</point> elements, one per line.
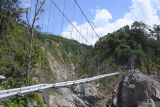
<point>107,83</point>
<point>15,48</point>
<point>65,50</point>
<point>112,52</point>
<point>38,98</point>
<point>115,50</point>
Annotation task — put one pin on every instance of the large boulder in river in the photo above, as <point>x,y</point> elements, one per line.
<point>138,90</point>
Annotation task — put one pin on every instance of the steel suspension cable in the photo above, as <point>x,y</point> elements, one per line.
<point>43,18</point>
<point>86,18</point>
<point>70,22</point>
<point>87,31</point>
<point>49,17</point>
<point>42,22</point>
<point>53,22</point>
<point>43,28</point>
<point>80,30</point>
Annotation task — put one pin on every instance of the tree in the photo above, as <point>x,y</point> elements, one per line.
<point>139,26</point>
<point>123,52</point>
<point>156,31</point>
<point>31,31</point>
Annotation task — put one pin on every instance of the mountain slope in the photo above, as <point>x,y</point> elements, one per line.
<point>124,49</point>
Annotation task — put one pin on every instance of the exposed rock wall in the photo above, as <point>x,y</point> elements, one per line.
<point>137,90</point>
<point>84,95</point>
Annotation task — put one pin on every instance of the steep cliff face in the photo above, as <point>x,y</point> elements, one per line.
<point>62,58</point>
<point>84,95</point>
<point>137,90</point>
<point>62,69</point>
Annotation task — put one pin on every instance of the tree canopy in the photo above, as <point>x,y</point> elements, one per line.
<point>127,42</point>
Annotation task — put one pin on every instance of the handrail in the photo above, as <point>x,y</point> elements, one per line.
<point>38,87</point>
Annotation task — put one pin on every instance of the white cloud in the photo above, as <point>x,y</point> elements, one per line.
<point>25,3</point>
<point>143,10</point>
<point>102,17</point>
<point>140,10</point>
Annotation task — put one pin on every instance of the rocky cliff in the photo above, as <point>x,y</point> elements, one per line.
<point>137,90</point>
<point>84,95</point>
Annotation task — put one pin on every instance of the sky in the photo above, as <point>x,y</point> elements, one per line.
<point>106,16</point>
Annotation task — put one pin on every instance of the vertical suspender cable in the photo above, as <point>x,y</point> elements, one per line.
<point>69,21</point>
<point>39,29</point>
<point>87,31</point>
<point>62,20</point>
<point>79,39</point>
<point>86,18</point>
<point>49,17</point>
<point>53,21</point>
<point>43,30</point>
<point>73,20</point>
<point>44,44</point>
<point>85,59</point>
<point>42,22</point>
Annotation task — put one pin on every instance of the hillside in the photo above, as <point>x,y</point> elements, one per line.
<point>127,48</point>
<point>29,56</point>
<point>47,50</point>
<point>48,58</point>
<point>55,58</point>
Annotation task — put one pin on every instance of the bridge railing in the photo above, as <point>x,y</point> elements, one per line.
<point>39,87</point>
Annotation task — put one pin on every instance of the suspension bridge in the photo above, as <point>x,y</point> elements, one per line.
<point>40,87</point>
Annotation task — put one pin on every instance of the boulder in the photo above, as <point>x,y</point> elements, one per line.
<point>138,90</point>
<point>87,92</point>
